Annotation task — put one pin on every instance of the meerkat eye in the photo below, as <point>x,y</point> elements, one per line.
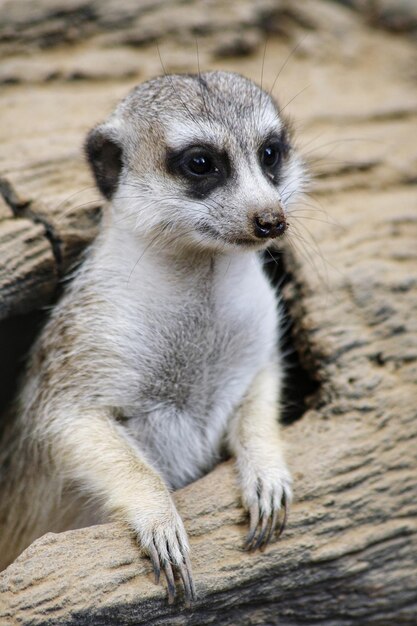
<point>202,168</point>
<point>270,156</point>
<point>200,165</point>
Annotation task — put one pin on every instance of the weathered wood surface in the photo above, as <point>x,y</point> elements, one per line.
<point>349,555</point>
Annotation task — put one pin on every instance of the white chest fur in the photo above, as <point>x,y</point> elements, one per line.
<point>192,334</point>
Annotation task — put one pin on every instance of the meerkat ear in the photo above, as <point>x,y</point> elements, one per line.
<point>105,157</point>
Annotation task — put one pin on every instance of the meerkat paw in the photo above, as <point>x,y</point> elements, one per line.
<point>164,540</point>
<point>266,496</point>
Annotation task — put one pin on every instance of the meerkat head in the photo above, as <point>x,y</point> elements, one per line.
<point>202,160</point>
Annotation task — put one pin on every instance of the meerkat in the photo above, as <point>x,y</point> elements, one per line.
<point>163,351</point>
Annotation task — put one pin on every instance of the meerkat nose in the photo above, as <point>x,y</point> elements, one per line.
<point>269,224</point>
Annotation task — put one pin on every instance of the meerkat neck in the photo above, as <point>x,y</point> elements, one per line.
<point>132,256</point>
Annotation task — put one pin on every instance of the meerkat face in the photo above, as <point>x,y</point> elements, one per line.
<point>202,160</point>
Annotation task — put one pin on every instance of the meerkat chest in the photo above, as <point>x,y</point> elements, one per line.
<point>197,359</point>
<point>199,352</point>
<point>178,354</point>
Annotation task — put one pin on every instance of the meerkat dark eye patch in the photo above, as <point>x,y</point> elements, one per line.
<point>105,158</point>
<point>271,155</point>
<point>203,168</point>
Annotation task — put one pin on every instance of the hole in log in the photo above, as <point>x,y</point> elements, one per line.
<point>17,334</point>
<point>299,385</point>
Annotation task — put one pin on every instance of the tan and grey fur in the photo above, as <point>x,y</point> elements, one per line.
<point>163,351</point>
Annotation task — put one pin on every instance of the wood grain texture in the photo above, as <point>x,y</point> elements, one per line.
<point>349,554</point>
<point>27,266</point>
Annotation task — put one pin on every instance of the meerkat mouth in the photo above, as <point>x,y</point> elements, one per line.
<point>243,241</point>
<point>248,242</point>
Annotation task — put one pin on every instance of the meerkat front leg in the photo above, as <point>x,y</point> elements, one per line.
<point>98,454</point>
<point>255,441</point>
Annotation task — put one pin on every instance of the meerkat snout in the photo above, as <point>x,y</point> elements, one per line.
<point>269,224</point>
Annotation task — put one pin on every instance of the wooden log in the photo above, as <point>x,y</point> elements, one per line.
<point>348,556</point>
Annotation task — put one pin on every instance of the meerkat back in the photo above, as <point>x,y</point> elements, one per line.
<point>163,351</point>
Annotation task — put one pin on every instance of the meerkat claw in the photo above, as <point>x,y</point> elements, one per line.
<point>254,520</point>
<point>171,569</point>
<point>186,577</point>
<point>153,555</point>
<point>272,527</point>
<point>263,526</point>
<point>169,575</point>
<point>193,595</point>
<point>261,536</point>
<point>283,524</point>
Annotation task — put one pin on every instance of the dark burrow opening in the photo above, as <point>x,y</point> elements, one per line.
<point>17,334</point>
<point>299,385</point>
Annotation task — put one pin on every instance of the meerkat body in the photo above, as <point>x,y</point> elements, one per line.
<point>163,351</point>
